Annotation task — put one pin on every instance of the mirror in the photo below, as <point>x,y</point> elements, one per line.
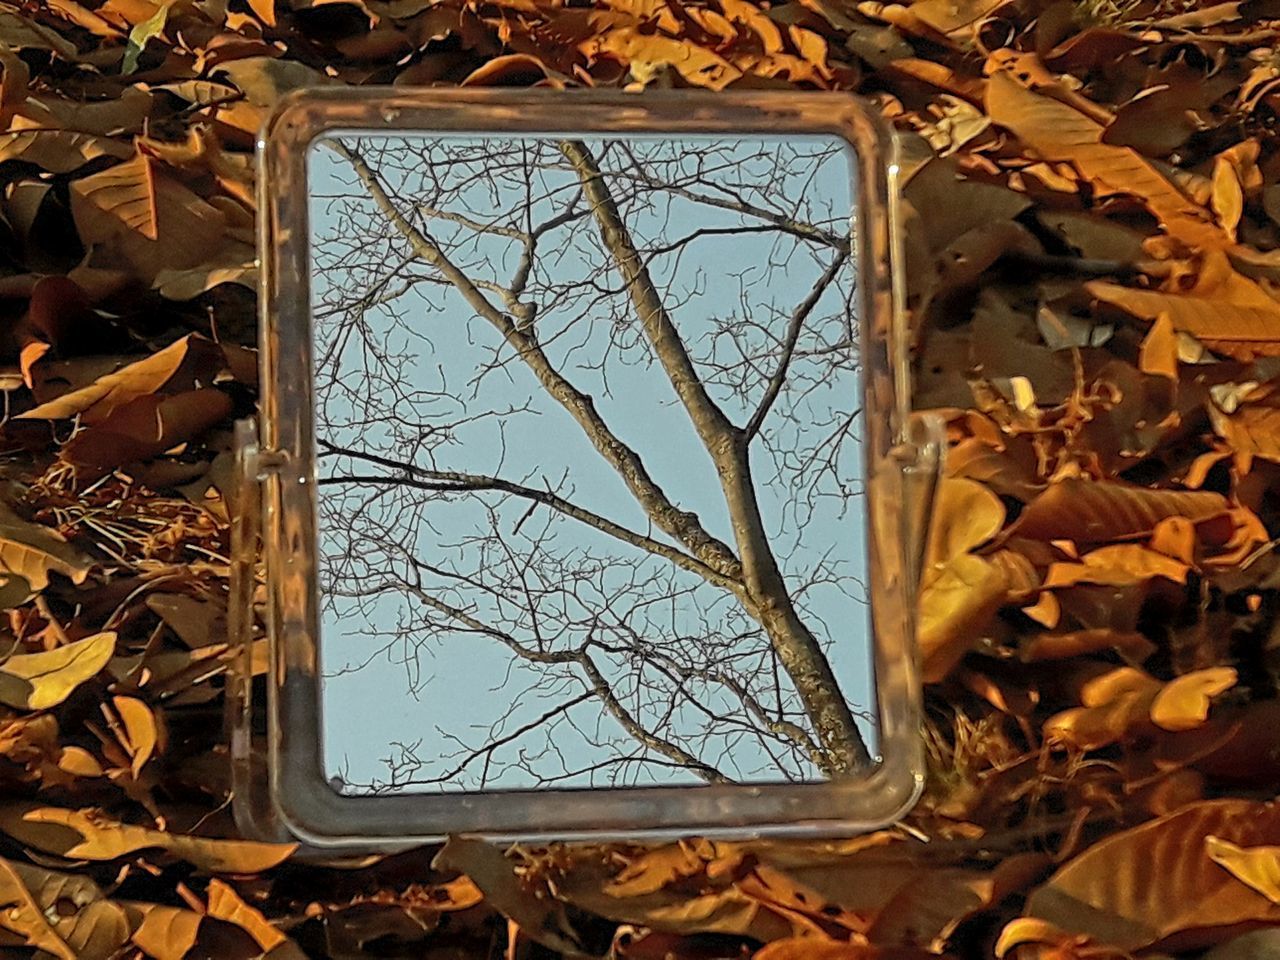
<point>590,502</point>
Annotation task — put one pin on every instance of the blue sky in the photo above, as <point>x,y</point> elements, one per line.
<point>421,379</point>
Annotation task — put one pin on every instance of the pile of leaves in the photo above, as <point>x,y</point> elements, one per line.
<point>1093,230</point>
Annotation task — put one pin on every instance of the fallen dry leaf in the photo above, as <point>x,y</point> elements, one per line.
<point>1183,703</point>
<point>38,681</point>
<point>87,834</point>
<point>59,913</point>
<point>1153,883</point>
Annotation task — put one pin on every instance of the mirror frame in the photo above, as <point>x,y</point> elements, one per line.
<point>903,456</point>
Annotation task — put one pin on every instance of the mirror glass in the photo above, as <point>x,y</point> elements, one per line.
<point>590,486</point>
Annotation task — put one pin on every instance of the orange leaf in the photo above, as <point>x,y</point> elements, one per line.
<point>1118,565</point>
<point>1159,353</point>
<point>28,357</point>
<point>163,932</point>
<point>225,904</point>
<point>1183,704</point>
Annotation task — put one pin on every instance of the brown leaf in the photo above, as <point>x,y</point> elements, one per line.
<point>1058,132</point>
<point>1024,931</point>
<point>264,80</point>
<point>145,428</point>
<point>539,917</point>
<point>60,913</point>
<point>646,53</point>
<point>1252,429</point>
<point>927,912</point>
<point>1099,511</point>
<point>813,948</point>
<point>1077,643</point>
<point>198,623</point>
<point>88,834</point>
<point>1155,885</point>
<point>23,33</point>
<point>139,218</point>
<point>58,151</point>
<point>950,16</point>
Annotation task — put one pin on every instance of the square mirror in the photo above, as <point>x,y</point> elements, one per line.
<point>588,498</point>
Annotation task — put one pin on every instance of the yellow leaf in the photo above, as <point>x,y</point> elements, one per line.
<point>956,603</point>
<point>966,514</point>
<point>23,915</point>
<point>37,681</point>
<point>79,762</point>
<point>1183,704</point>
<point>1259,867</point>
<point>1028,930</point>
<point>89,835</point>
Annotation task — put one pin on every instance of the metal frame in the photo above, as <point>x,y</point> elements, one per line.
<point>903,456</point>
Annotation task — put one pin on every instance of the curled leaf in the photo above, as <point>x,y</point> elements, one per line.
<point>1183,704</point>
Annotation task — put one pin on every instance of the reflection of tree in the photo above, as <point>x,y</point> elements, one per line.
<point>702,649</point>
